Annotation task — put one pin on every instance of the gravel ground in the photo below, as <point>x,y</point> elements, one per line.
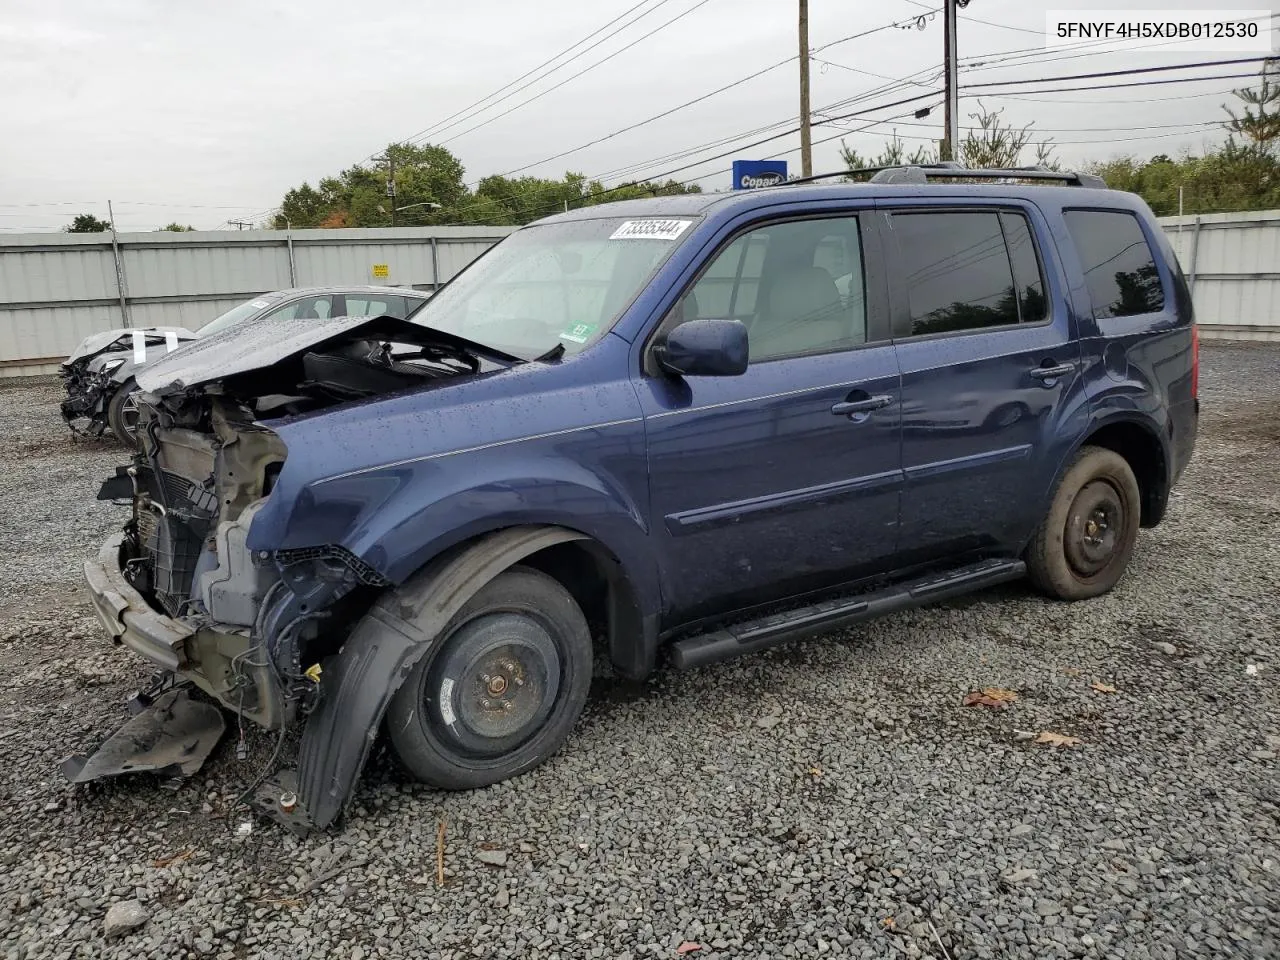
<point>832,799</point>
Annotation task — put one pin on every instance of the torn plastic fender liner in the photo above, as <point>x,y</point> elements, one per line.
<point>383,648</point>
<point>171,737</point>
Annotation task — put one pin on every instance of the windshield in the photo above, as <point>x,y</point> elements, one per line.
<point>558,283</point>
<point>236,314</point>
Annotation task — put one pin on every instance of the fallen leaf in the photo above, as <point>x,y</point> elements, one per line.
<point>888,923</point>
<point>995,697</point>
<point>176,858</point>
<point>815,772</point>
<point>1071,671</point>
<point>687,947</point>
<point>1057,739</point>
<point>1103,687</point>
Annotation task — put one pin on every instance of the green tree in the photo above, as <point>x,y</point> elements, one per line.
<point>87,223</point>
<point>175,227</point>
<point>358,197</point>
<point>993,144</point>
<point>1259,119</point>
<point>1232,178</point>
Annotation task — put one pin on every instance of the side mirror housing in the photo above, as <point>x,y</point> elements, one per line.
<point>705,348</point>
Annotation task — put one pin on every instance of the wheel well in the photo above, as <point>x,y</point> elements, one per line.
<point>1145,456</point>
<point>597,581</point>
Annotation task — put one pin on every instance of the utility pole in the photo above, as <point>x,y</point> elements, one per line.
<point>806,139</point>
<point>951,137</point>
<point>391,184</point>
<point>122,287</point>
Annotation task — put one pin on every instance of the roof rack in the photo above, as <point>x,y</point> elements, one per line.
<point>924,172</point>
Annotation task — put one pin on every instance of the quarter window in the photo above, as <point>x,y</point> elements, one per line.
<point>798,288</point>
<point>968,270</point>
<point>1119,267</point>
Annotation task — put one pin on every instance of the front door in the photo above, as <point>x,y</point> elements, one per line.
<point>992,394</point>
<point>785,479</point>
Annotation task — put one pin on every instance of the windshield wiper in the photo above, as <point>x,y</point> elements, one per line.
<point>555,353</point>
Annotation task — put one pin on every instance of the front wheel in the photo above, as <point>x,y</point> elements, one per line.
<point>500,688</point>
<point>122,413</point>
<point>1083,546</point>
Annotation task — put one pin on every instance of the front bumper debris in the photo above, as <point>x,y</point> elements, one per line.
<point>126,614</point>
<point>172,738</point>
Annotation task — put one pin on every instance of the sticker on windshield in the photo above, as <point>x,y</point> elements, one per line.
<point>579,332</point>
<point>650,230</point>
<point>259,303</point>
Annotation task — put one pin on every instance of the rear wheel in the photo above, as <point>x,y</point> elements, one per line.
<point>122,413</point>
<point>1084,543</point>
<point>499,690</point>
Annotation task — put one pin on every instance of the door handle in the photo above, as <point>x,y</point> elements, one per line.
<point>847,408</point>
<point>1052,373</point>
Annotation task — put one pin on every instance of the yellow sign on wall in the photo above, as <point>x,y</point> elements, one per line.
<point>381,270</point>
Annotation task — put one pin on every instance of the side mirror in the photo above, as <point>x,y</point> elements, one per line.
<point>705,348</point>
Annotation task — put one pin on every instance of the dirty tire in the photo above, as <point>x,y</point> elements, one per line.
<point>118,414</point>
<point>500,688</point>
<point>1082,547</point>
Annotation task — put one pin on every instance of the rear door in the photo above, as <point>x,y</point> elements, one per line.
<point>992,394</point>
<point>771,484</point>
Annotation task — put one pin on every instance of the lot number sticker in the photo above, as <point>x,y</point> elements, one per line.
<point>579,332</point>
<point>650,230</point>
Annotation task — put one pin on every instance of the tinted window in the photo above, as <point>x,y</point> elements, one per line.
<point>798,287</point>
<point>1118,264</point>
<point>956,271</point>
<point>1032,307</point>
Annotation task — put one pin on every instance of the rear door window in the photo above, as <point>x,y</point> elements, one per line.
<point>1119,267</point>
<point>958,272</point>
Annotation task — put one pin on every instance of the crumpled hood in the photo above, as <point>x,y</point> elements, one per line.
<point>247,347</point>
<point>100,341</point>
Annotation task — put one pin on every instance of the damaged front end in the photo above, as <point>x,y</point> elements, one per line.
<point>179,584</point>
<point>89,386</point>
<point>101,364</point>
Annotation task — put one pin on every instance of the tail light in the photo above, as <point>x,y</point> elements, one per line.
<point>1195,361</point>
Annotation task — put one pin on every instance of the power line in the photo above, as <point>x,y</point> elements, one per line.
<point>458,114</point>
<point>569,79</point>
<point>697,163</point>
<point>1109,86</point>
<point>1110,100</point>
<point>1133,71</point>
<point>707,96</point>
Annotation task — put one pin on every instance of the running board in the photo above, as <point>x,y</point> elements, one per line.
<point>769,631</point>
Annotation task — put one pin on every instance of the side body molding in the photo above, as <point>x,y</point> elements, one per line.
<point>360,681</point>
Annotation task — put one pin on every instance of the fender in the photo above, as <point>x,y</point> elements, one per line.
<point>398,518</point>
<point>1131,418</point>
<point>358,683</point>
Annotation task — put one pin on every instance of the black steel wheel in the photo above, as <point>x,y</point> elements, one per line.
<point>1082,547</point>
<point>499,690</point>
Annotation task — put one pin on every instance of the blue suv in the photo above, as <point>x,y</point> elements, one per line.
<point>698,425</point>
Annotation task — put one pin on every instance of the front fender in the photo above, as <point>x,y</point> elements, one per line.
<point>398,517</point>
<point>360,681</point>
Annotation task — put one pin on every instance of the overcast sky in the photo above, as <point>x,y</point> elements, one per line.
<point>202,112</point>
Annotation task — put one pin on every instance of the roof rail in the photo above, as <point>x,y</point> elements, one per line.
<point>948,169</point>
